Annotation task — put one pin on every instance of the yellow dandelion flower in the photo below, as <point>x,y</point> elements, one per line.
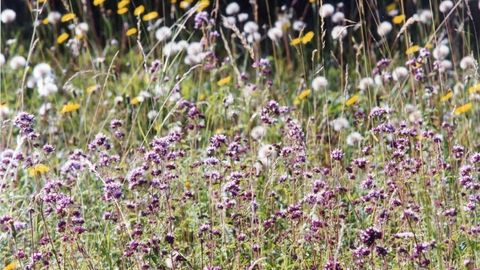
<point>139,10</point>
<point>173,2</point>
<point>67,17</point>
<point>187,185</point>
<point>308,37</point>
<point>93,88</point>
<point>304,94</point>
<point>11,266</point>
<point>412,49</point>
<point>150,16</point>
<point>398,19</point>
<point>131,31</point>
<point>429,46</point>
<point>38,169</point>
<point>219,131</point>
<point>391,7</point>
<point>474,88</point>
<point>62,38</point>
<point>45,21</point>
<point>98,2</point>
<point>201,97</point>
<point>296,101</point>
<point>184,4</point>
<point>136,100</point>
<point>70,107</point>
<point>122,11</point>
<point>224,81</point>
<point>352,100</point>
<point>463,109</point>
<point>79,36</point>
<point>286,26</point>
<point>3,104</point>
<point>123,4</point>
<point>203,4</point>
<point>446,97</point>
<point>295,41</point>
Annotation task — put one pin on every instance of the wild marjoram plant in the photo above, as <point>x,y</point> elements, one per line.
<point>205,135</point>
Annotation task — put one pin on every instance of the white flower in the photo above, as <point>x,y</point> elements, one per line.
<point>250,27</point>
<point>44,108</point>
<point>192,60</point>
<point>354,138</point>
<point>54,17</point>
<point>182,45</point>
<point>46,87</point>
<point>232,8</point>
<point>152,114</point>
<point>339,124</point>
<point>338,17</point>
<point>194,48</point>
<point>163,33</point>
<point>384,28</point>
<point>445,6</point>
<point>81,28</point>
<point>275,33</point>
<point>467,62</point>
<point>255,37</point>
<point>441,52</point>
<point>415,116</point>
<point>365,83</point>
<point>400,73</point>
<point>426,16</point>
<point>242,17</point>
<point>267,154</point>
<point>8,15</point>
<point>445,65</point>
<point>319,83</point>
<point>2,59</point>
<point>298,25</point>
<point>4,112</point>
<point>42,70</point>
<point>170,49</point>
<point>17,62</point>
<point>326,10</point>
<point>227,21</point>
<point>339,31</point>
<point>258,133</point>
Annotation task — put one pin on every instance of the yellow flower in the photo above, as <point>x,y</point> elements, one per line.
<point>173,2</point>
<point>187,185</point>
<point>38,169</point>
<point>286,26</point>
<point>184,4</point>
<point>136,100</point>
<point>150,16</point>
<point>224,81</point>
<point>463,109</point>
<point>123,4</point>
<point>62,38</point>
<point>122,11</point>
<point>352,100</point>
<point>93,88</point>
<point>219,131</point>
<point>446,97</point>
<point>311,1</point>
<point>201,97</point>
<point>391,7</point>
<point>398,19</point>
<point>79,36</point>
<point>474,88</point>
<point>45,21</point>
<point>296,101</point>
<point>139,10</point>
<point>11,266</point>
<point>202,5</point>
<point>304,94</point>
<point>429,46</point>
<point>308,36</point>
<point>98,2</point>
<point>3,104</point>
<point>67,17</point>
<point>41,1</point>
<point>295,41</point>
<point>131,31</point>
<point>412,49</point>
<point>70,107</point>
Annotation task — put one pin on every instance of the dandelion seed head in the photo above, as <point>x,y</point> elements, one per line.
<point>384,28</point>
<point>298,25</point>
<point>258,133</point>
<point>319,82</point>
<point>42,70</point>
<point>17,62</point>
<point>441,52</point>
<point>275,33</point>
<point>326,10</point>
<point>365,83</point>
<point>163,33</point>
<point>2,59</point>
<point>228,21</point>
<point>467,62</point>
<point>338,17</point>
<point>354,138</point>
<point>242,17</point>
<point>400,73</point>
<point>339,31</point>
<point>340,123</point>
<point>54,17</point>
<point>8,16</point>
<point>445,6</point>
<point>250,27</point>
<point>232,8</point>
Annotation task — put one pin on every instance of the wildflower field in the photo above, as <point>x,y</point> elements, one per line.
<point>251,135</point>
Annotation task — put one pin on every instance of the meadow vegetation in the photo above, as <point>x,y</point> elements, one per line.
<point>199,139</point>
